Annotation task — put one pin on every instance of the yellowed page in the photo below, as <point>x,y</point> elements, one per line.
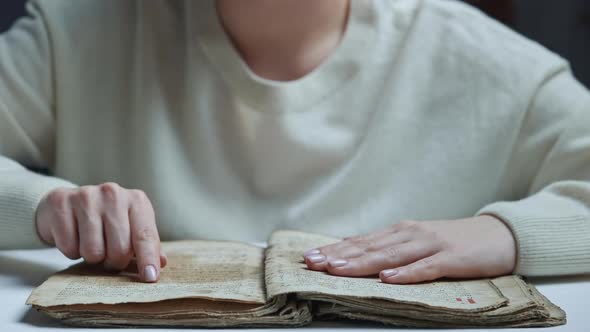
<point>286,273</point>
<point>196,269</point>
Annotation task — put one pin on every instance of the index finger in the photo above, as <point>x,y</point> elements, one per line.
<point>144,237</point>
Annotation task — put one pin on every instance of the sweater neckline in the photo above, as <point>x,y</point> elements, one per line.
<point>345,62</point>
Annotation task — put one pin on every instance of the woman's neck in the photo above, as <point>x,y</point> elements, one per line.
<point>284,39</point>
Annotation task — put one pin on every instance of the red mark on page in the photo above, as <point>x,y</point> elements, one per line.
<point>469,300</point>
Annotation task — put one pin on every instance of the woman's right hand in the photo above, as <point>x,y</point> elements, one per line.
<point>104,224</point>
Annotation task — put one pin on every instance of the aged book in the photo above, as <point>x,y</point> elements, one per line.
<point>228,284</point>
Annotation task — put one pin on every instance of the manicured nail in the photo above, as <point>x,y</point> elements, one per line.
<point>389,273</point>
<point>149,274</point>
<point>338,263</point>
<point>311,252</point>
<point>316,258</point>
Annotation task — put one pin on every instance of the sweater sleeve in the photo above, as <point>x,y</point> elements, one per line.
<point>552,225</point>
<point>26,127</point>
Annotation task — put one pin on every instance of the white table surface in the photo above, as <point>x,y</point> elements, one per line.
<point>21,271</point>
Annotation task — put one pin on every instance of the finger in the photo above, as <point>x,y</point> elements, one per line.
<point>346,242</point>
<point>377,243</point>
<point>315,259</point>
<point>370,236</point>
<point>163,260</point>
<point>116,227</point>
<point>344,249</point>
<point>144,237</point>
<point>118,242</point>
<point>360,241</point>
<point>374,262</point>
<point>316,262</point>
<point>426,269</point>
<point>90,228</point>
<point>133,262</point>
<point>356,248</point>
<point>65,232</point>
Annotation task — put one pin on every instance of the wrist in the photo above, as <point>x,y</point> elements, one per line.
<point>505,236</point>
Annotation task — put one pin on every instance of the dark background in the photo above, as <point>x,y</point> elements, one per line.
<point>561,25</point>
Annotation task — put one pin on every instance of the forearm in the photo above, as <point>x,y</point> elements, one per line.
<point>551,228</point>
<point>27,125</point>
<point>552,225</point>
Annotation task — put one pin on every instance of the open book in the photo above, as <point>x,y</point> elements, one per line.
<point>223,284</point>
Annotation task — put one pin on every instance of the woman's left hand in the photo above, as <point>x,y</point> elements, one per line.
<point>411,252</point>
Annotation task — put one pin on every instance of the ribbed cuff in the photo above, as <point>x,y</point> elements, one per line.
<point>552,234</point>
<point>20,194</point>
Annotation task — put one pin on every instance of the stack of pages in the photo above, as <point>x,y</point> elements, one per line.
<point>229,284</point>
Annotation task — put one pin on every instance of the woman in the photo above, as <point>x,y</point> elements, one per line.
<point>230,119</point>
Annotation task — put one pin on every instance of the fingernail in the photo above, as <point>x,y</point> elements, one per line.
<point>311,252</point>
<point>149,273</point>
<point>389,273</point>
<point>316,258</point>
<point>338,263</point>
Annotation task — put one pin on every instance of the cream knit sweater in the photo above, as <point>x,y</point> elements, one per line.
<point>427,110</point>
